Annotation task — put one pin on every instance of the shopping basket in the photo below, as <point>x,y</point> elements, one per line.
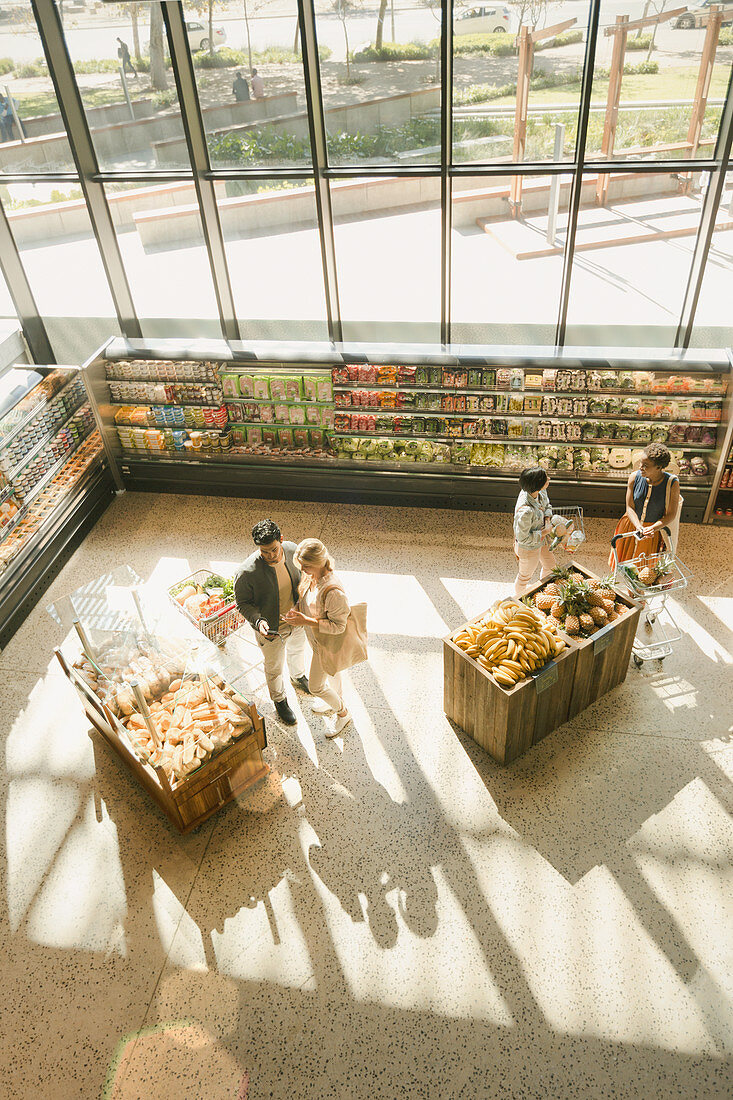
<point>575,537</point>
<point>218,626</point>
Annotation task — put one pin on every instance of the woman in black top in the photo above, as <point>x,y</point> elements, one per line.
<point>652,502</point>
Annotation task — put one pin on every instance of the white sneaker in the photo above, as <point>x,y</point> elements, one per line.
<point>319,706</point>
<point>338,726</point>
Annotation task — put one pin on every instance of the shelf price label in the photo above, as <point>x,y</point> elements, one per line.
<point>602,639</point>
<point>546,678</point>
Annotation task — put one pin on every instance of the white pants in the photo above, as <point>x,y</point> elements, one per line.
<point>528,562</point>
<point>318,683</point>
<point>292,640</point>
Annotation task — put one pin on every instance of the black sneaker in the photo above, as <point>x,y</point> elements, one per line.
<point>302,683</point>
<point>285,712</point>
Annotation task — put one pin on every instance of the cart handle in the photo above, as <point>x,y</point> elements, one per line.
<point>635,535</point>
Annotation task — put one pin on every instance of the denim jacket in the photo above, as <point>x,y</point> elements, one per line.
<point>530,514</point>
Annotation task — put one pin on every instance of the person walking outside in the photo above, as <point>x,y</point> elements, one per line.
<point>532,514</point>
<point>652,502</point>
<point>324,610</point>
<point>123,52</point>
<point>240,88</point>
<point>258,86</point>
<point>265,590</point>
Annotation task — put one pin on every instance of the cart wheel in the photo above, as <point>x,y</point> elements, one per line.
<point>637,660</point>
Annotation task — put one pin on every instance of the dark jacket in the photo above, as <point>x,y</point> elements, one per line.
<point>256,591</point>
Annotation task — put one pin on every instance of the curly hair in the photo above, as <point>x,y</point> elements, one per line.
<point>265,531</point>
<point>658,454</point>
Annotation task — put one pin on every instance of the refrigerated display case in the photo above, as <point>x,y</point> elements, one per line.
<point>398,424</point>
<point>54,480</point>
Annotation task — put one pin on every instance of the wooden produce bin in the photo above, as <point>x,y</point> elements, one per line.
<point>191,800</point>
<point>603,659</point>
<point>505,721</point>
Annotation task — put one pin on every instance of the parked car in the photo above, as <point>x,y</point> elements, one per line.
<point>697,15</point>
<point>482,21</point>
<point>198,35</point>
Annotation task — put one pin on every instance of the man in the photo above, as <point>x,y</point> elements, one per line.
<point>240,88</point>
<point>123,52</point>
<point>265,589</point>
<point>258,86</point>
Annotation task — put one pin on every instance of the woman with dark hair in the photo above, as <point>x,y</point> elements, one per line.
<point>652,502</point>
<point>532,514</point>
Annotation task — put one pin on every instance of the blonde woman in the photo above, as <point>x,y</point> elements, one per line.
<point>322,609</point>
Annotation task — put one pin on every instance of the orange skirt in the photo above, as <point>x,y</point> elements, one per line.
<point>626,549</point>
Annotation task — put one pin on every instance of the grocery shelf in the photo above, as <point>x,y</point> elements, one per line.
<point>28,458</point>
<point>47,549</point>
<point>507,440</point>
<point>45,403</point>
<point>276,401</point>
<point>41,485</point>
<point>412,387</point>
<point>412,410</point>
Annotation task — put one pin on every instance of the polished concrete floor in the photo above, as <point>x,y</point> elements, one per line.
<point>389,914</point>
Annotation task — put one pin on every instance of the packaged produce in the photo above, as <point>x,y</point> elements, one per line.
<point>709,437</point>
<point>340,375</point>
<point>503,378</point>
<point>579,380</point>
<point>300,437</point>
<point>475,378</point>
<point>261,387</point>
<point>487,402</point>
<point>297,414</point>
<point>422,376</point>
<point>460,453</point>
<point>270,437</point>
<point>516,403</point>
<point>548,378</point>
<point>563,379</point>
<point>580,406</point>
<point>643,381</point>
<point>230,385</point>
<point>593,379</point>
<point>517,379</point>
<point>573,431</point>
<point>558,430</point>
<point>488,378</point>
<point>406,375</point>
<point>533,405</point>
<point>549,405</point>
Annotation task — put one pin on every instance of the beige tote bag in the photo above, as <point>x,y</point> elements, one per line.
<point>341,651</point>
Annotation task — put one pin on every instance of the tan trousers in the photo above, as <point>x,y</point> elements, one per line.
<point>318,683</point>
<point>528,562</point>
<point>290,641</point>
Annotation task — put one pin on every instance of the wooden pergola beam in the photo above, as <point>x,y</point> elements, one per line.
<point>649,21</point>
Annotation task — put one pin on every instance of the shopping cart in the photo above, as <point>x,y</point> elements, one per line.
<point>218,626</point>
<point>658,630</point>
<point>565,546</point>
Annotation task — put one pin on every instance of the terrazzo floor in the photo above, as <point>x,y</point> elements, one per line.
<point>389,914</point>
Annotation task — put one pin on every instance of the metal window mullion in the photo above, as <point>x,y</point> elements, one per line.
<point>319,157</point>
<point>30,319</point>
<point>708,216</point>
<point>576,190</point>
<point>198,151</point>
<point>446,161</point>
<point>85,159</point>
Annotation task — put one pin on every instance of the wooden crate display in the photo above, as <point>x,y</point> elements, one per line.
<point>603,659</point>
<point>505,721</point>
<point>194,798</point>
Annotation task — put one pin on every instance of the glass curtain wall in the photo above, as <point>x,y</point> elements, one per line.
<point>427,172</point>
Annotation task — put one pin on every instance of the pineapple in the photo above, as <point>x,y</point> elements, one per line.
<point>545,601</point>
<point>572,625</point>
<point>586,621</point>
<point>595,598</point>
<point>647,575</point>
<point>612,616</point>
<point>599,615</point>
<point>551,590</point>
<point>557,611</point>
<point>608,606</point>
